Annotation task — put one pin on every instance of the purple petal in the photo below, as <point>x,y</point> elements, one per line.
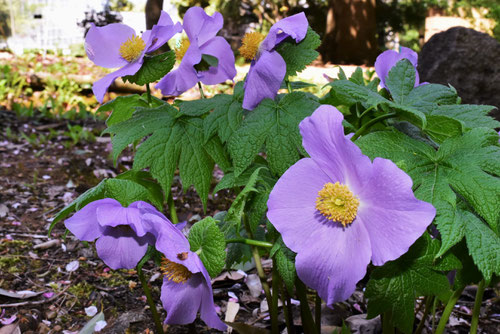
<point>409,54</point>
<point>323,138</point>
<point>101,86</point>
<point>200,27</point>
<point>207,311</point>
<point>84,225</point>
<point>294,26</point>
<point>263,79</point>
<point>130,216</point>
<point>388,209</point>
<point>335,261</point>
<point>102,44</point>
<point>225,70</point>
<point>182,300</point>
<point>161,32</point>
<point>121,248</point>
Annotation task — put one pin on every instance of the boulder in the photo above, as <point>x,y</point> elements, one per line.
<point>468,60</point>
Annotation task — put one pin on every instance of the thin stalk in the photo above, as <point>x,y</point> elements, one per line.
<point>202,94</point>
<point>250,242</point>
<point>477,307</point>
<point>288,86</point>
<point>387,325</point>
<point>305,310</point>
<point>273,308</point>
<point>433,320</point>
<point>265,286</point>
<point>148,91</point>
<point>370,123</point>
<point>171,208</point>
<point>317,313</point>
<point>428,302</point>
<point>147,292</point>
<point>287,308</point>
<point>364,113</point>
<point>447,311</point>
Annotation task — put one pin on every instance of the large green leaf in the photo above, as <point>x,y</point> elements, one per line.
<point>153,69</point>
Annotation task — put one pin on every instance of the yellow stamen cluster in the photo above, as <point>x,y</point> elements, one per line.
<point>250,44</point>
<point>174,271</point>
<point>337,203</point>
<point>132,48</point>
<point>181,50</point>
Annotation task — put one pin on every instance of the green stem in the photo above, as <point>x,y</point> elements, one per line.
<point>273,308</point>
<point>305,310</point>
<point>202,94</point>
<point>288,86</point>
<point>171,208</point>
<point>387,325</point>
<point>317,313</point>
<point>287,308</point>
<point>428,302</point>
<point>363,114</point>
<point>447,311</point>
<point>147,292</point>
<point>369,124</point>
<point>250,242</point>
<point>477,307</point>
<point>148,91</point>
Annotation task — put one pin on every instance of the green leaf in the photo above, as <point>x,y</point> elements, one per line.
<point>206,239</point>
<point>401,80</point>
<point>122,108</point>
<point>230,180</point>
<point>429,96</point>
<point>236,252</point>
<point>275,125</point>
<point>174,141</point>
<point>196,107</point>
<point>451,224</point>
<point>206,62</point>
<point>472,116</point>
<point>297,85</point>
<point>257,208</point>
<point>298,55</point>
<point>440,127</point>
<point>285,263</point>
<point>394,286</point>
<point>153,69</point>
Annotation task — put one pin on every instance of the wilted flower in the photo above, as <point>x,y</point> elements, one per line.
<point>268,68</point>
<point>117,45</point>
<point>338,210</point>
<point>186,287</point>
<point>389,58</point>
<point>201,30</point>
<point>122,235</point>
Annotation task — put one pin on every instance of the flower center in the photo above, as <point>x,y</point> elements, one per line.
<point>132,48</point>
<point>250,44</point>
<point>174,271</point>
<point>181,49</point>
<point>337,203</point>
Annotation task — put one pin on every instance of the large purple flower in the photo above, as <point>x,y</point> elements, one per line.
<point>338,210</point>
<point>186,287</point>
<point>268,68</point>
<point>122,235</point>
<point>389,58</point>
<point>117,45</point>
<point>201,30</point>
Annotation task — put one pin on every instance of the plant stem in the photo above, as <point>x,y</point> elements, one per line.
<point>147,292</point>
<point>202,94</point>
<point>305,310</point>
<point>287,308</point>
<point>428,302</point>
<point>288,86</point>
<point>148,91</point>
<point>387,325</point>
<point>477,307</point>
<point>265,286</point>
<point>369,124</point>
<point>447,310</point>
<point>273,308</point>
<point>317,313</point>
<point>171,208</point>
<point>250,242</point>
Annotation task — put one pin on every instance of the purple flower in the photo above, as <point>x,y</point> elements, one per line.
<point>268,68</point>
<point>387,59</point>
<point>122,235</point>
<point>338,210</point>
<point>201,30</point>
<point>117,45</point>
<point>186,287</point>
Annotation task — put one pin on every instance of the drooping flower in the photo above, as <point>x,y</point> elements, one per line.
<point>268,68</point>
<point>338,210</point>
<point>389,58</point>
<point>186,287</point>
<point>122,235</point>
<point>201,30</point>
<point>117,45</point>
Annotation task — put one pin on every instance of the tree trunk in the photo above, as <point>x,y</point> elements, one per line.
<point>153,11</point>
<point>350,36</point>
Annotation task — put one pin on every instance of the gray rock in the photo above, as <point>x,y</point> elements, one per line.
<point>466,59</point>
<point>358,324</point>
